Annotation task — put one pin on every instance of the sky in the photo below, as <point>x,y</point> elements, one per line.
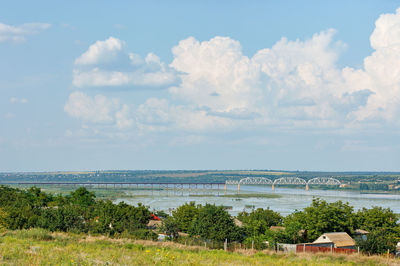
<point>289,85</point>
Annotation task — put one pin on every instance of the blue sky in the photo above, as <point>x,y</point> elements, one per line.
<point>293,85</point>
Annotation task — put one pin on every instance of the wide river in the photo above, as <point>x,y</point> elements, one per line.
<point>289,200</point>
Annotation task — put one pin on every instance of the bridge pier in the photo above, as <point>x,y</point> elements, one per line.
<point>307,187</point>
<point>238,188</point>
<point>273,187</point>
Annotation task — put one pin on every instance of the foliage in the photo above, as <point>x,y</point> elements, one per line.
<point>185,215</point>
<point>77,212</point>
<point>323,217</point>
<point>258,221</point>
<point>379,241</point>
<point>170,227</point>
<point>377,217</point>
<point>82,197</point>
<point>257,242</point>
<point>215,223</point>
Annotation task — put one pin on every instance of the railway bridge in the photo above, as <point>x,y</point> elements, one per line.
<point>329,181</point>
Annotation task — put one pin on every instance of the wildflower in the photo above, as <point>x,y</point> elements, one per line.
<point>147,251</point>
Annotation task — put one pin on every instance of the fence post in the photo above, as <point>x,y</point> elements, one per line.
<point>205,244</point>
<point>358,250</point>
<point>331,249</point>
<point>252,244</point>
<point>226,244</point>
<point>304,248</point>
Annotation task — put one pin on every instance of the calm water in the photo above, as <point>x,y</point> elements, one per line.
<point>290,200</point>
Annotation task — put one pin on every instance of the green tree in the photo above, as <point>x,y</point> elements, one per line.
<point>170,227</point>
<point>379,241</point>
<point>215,223</point>
<point>82,197</point>
<point>375,218</point>
<point>258,221</point>
<point>111,218</point>
<point>322,217</point>
<point>185,214</point>
<point>294,232</point>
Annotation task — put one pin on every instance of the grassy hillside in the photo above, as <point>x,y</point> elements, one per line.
<point>39,247</point>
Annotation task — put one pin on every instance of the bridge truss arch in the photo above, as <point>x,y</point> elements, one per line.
<point>324,181</point>
<point>290,181</point>
<point>250,181</point>
<point>283,181</point>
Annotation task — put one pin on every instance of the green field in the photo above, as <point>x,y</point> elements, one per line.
<point>39,247</point>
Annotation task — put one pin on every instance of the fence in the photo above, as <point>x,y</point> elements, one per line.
<point>315,249</point>
<point>229,246</point>
<point>232,246</point>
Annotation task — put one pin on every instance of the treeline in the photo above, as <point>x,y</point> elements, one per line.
<point>81,212</point>
<point>373,186</point>
<point>77,212</point>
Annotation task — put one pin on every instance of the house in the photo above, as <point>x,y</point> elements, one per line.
<point>336,240</point>
<point>360,234</point>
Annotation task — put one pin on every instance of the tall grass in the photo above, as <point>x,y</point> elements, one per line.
<point>35,247</point>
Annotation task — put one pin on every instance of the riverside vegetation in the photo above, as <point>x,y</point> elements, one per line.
<point>81,215</point>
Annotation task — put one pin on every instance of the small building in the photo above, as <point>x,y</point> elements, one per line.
<point>336,240</point>
<point>360,234</point>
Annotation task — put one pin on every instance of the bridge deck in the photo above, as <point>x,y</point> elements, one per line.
<point>111,183</point>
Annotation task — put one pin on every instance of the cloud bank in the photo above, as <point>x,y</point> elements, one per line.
<point>213,87</point>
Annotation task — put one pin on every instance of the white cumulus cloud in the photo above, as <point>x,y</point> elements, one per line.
<point>108,64</point>
<point>101,52</point>
<point>97,109</point>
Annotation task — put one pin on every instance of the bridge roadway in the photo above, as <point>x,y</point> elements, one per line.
<point>174,185</point>
<point>197,185</point>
